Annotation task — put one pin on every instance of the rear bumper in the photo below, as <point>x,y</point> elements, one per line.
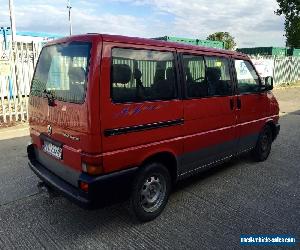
<point>103,190</point>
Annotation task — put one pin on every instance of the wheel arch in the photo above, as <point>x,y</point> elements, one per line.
<point>168,159</point>
<point>271,124</point>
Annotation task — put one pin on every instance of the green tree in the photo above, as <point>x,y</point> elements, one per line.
<point>225,37</point>
<point>291,10</point>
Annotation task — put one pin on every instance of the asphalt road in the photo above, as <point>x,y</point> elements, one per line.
<point>205,212</point>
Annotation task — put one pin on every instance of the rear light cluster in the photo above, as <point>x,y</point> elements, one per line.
<point>91,169</point>
<point>92,164</point>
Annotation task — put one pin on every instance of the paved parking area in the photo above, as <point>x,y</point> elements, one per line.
<point>205,212</point>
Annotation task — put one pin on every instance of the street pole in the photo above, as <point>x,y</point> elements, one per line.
<point>70,17</point>
<point>12,20</point>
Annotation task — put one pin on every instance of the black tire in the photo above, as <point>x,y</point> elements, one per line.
<point>263,145</point>
<point>150,192</point>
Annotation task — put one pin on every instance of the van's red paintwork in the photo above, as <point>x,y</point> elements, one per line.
<point>207,122</point>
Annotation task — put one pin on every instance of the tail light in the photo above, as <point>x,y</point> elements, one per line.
<point>92,169</point>
<point>92,164</point>
<point>84,186</point>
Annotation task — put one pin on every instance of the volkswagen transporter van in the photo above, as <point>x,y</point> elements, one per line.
<point>114,117</point>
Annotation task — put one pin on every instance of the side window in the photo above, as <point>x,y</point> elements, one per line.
<point>142,75</point>
<point>207,76</point>
<point>247,78</point>
<point>194,67</point>
<point>218,76</point>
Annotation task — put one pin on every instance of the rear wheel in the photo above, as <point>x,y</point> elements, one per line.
<point>150,192</point>
<point>263,145</point>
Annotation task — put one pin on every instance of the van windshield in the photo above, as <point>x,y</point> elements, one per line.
<point>62,71</point>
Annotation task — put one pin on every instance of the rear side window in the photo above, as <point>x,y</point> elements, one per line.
<point>142,75</point>
<point>207,76</point>
<point>247,78</point>
<point>62,69</point>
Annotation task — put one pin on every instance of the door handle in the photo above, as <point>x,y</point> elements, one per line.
<point>238,103</point>
<point>231,102</point>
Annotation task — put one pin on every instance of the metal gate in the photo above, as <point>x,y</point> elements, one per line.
<point>17,62</point>
<point>286,70</point>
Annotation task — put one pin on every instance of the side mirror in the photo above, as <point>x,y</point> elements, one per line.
<point>269,83</point>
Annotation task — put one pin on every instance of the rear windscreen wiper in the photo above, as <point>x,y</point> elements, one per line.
<point>50,96</point>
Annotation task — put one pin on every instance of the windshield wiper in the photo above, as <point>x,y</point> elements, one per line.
<point>50,96</point>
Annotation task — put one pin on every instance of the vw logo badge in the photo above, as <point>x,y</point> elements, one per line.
<point>49,129</point>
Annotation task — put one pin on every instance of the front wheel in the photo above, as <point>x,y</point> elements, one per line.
<point>263,145</point>
<point>150,192</point>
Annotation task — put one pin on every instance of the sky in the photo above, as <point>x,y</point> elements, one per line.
<point>251,22</point>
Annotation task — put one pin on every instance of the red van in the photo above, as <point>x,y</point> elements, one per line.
<point>114,117</point>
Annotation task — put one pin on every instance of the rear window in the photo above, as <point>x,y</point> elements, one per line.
<point>62,70</point>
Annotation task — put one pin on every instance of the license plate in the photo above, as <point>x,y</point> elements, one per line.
<point>52,149</point>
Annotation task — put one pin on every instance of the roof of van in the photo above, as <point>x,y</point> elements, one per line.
<point>152,42</point>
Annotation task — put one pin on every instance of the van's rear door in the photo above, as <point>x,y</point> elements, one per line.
<point>59,107</point>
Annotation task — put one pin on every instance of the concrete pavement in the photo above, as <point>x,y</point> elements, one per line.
<point>204,212</point>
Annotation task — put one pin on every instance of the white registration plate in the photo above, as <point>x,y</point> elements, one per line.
<point>52,149</point>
